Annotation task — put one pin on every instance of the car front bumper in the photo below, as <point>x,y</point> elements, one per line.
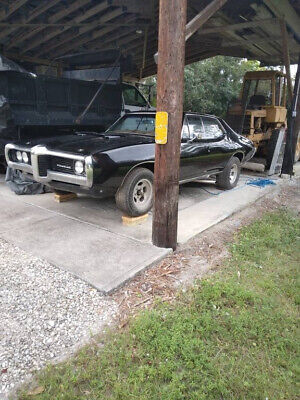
<point>38,153</point>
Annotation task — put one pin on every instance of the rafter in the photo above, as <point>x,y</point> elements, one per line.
<point>86,39</point>
<point>11,9</point>
<point>54,18</point>
<point>67,37</point>
<point>12,27</point>
<point>55,32</point>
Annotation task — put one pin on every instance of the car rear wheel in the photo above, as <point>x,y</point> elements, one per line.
<point>229,178</point>
<point>135,196</point>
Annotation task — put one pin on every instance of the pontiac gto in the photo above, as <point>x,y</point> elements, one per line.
<point>120,161</point>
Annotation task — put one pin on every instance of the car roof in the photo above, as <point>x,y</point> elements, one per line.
<point>145,112</point>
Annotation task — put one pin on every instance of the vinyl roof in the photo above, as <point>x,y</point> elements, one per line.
<point>40,31</point>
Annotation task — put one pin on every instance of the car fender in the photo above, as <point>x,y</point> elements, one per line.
<point>143,164</point>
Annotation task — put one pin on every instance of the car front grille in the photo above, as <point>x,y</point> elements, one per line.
<point>43,165</point>
<point>61,164</point>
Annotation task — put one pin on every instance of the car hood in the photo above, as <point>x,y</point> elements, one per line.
<point>87,143</point>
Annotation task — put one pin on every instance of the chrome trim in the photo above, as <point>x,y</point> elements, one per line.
<point>39,150</point>
<point>17,165</point>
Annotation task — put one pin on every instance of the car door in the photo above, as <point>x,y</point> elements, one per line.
<point>214,137</point>
<point>193,150</point>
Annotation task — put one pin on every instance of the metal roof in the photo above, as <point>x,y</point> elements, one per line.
<point>39,31</point>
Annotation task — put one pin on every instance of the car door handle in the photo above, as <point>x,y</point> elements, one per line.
<point>207,148</point>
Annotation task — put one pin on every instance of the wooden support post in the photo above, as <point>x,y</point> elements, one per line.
<point>293,132</point>
<point>286,59</point>
<point>170,80</point>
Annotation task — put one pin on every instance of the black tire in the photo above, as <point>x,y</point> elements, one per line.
<point>225,179</point>
<point>271,145</point>
<point>135,196</point>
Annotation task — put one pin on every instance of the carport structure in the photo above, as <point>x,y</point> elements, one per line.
<point>41,32</point>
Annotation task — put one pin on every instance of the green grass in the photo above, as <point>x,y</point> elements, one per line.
<point>232,336</point>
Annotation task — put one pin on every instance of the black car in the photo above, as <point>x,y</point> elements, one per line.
<point>120,161</point>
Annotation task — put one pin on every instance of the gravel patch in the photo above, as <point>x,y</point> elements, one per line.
<point>45,314</point>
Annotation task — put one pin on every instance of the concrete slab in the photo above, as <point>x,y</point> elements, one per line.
<point>86,236</point>
<point>204,215</point>
<point>102,258</point>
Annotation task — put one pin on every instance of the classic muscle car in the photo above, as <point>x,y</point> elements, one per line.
<point>120,161</point>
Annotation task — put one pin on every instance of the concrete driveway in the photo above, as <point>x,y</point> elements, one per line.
<point>86,237</point>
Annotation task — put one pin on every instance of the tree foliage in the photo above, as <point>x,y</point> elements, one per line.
<point>210,85</point>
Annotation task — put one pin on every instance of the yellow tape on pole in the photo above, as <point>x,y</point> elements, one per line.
<point>161,127</point>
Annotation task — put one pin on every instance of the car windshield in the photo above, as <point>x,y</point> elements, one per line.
<point>134,123</point>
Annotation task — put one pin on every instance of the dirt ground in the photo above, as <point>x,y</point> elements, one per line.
<point>200,256</point>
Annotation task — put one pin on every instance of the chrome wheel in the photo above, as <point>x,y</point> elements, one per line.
<point>142,194</point>
<point>233,173</point>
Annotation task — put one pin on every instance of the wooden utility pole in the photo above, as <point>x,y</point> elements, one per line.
<point>170,81</point>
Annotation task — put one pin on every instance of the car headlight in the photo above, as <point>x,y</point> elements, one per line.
<point>19,156</point>
<point>25,157</point>
<point>79,167</point>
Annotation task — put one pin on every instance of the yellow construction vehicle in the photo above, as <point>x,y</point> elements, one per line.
<point>261,111</point>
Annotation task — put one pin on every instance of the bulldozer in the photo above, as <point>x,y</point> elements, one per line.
<point>261,112</point>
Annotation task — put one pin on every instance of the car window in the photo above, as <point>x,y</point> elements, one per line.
<point>132,97</point>
<point>212,129</point>
<point>185,134</point>
<point>134,123</point>
<point>195,126</point>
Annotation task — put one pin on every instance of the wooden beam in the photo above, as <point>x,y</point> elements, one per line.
<point>55,32</point>
<point>16,4</point>
<point>32,60</point>
<point>237,27</point>
<point>24,22</point>
<point>15,25</point>
<point>135,6</point>
<point>293,131</point>
<point>54,18</point>
<point>286,59</point>
<point>144,52</point>
<point>284,10</point>
<point>170,77</point>
<point>70,36</point>
<point>195,24</point>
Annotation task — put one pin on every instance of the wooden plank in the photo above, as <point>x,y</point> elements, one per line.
<point>283,9</point>
<point>55,32</point>
<point>237,27</point>
<point>198,21</point>
<point>16,4</point>
<point>61,196</point>
<point>170,77</point>
<point>54,18</point>
<point>24,22</point>
<point>132,221</point>
<point>71,36</point>
<point>15,25</point>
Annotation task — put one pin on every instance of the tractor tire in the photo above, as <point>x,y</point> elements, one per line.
<point>135,196</point>
<point>271,145</point>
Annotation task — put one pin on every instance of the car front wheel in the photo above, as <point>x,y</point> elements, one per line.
<point>229,178</point>
<point>135,196</point>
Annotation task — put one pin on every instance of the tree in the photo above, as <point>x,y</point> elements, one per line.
<point>210,85</point>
